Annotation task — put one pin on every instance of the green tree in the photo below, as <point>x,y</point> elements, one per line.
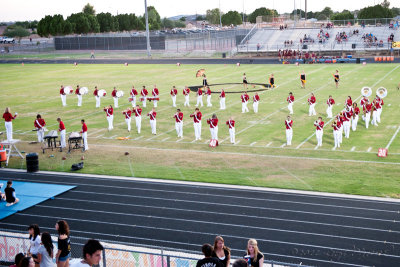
<point>167,23</point>
<point>395,11</point>
<point>44,25</point>
<point>262,11</point>
<point>93,23</point>
<point>212,15</point>
<point>377,11</point>
<point>80,23</point>
<point>154,18</point>
<point>17,32</point>
<point>200,18</point>
<point>67,27</point>
<point>56,25</point>
<point>344,15</point>
<point>182,19</point>
<point>89,10</point>
<point>298,13</point>
<point>327,11</point>
<point>179,24</point>
<point>105,21</point>
<point>232,17</point>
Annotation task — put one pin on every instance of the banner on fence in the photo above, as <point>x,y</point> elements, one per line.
<point>396,45</point>
<point>11,246</point>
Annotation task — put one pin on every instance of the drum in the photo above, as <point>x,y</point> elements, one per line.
<point>120,94</point>
<point>101,93</point>
<point>68,90</point>
<point>83,90</point>
<point>74,134</point>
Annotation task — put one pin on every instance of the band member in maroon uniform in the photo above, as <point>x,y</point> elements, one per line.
<point>143,95</point>
<point>128,118</point>
<point>213,122</point>
<point>245,98</point>
<point>40,127</point>
<point>133,94</point>
<point>155,94</point>
<point>84,135</point>
<point>222,100</point>
<point>173,94</point>
<point>256,100</point>
<point>8,117</point>
<point>354,122</point>
<point>319,132</point>
<point>208,93</point>
<point>153,122</point>
<point>138,117</point>
<point>114,95</point>
<point>79,95</point>
<point>110,116</point>
<point>179,123</point>
<point>290,100</point>
<point>186,93</point>
<point>330,102</point>
<point>197,123</point>
<point>289,130</point>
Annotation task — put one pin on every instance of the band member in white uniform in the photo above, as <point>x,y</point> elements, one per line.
<point>173,94</point>
<point>208,93</point>
<point>336,133</point>
<point>367,113</point>
<point>289,130</point>
<point>330,102</point>
<point>346,123</point>
<point>153,122</point>
<point>39,125</point>
<point>186,93</point>
<point>133,94</point>
<point>311,102</point>
<point>231,125</point>
<point>61,129</point>
<point>155,94</point>
<point>256,100</point>
<point>179,123</point>
<point>128,118</point>
<point>8,117</point>
<point>319,131</point>
<point>354,121</point>
<point>110,116</point>
<point>379,105</point>
<point>222,100</point>
<point>197,123</point>
<point>245,99</point>
<point>63,96</point>
<point>143,95</point>
<point>114,95</point>
<point>213,122</point>
<point>374,113</point>
<point>96,96</point>
<point>290,100</point>
<point>199,97</point>
<point>138,117</point>
<point>84,135</point>
<point>78,95</point>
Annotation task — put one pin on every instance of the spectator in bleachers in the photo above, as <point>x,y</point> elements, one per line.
<point>240,263</point>
<point>27,262</point>
<point>254,256</point>
<point>45,252</point>
<point>91,254</point>
<point>221,252</point>
<point>64,244</point>
<point>34,240</point>
<point>17,259</point>
<point>207,261</point>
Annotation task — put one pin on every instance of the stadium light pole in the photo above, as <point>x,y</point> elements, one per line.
<point>220,19</point>
<point>147,30</point>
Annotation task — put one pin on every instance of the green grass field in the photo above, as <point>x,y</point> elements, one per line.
<point>257,160</point>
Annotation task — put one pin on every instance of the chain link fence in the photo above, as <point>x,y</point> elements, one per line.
<point>114,254</point>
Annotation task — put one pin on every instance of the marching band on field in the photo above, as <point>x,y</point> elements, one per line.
<point>342,123</point>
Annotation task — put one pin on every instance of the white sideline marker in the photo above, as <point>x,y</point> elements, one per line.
<point>369,149</point>
<point>137,138</point>
<point>353,148</point>
<point>316,147</point>
<point>237,142</point>
<point>394,136</point>
<point>268,144</point>
<point>252,144</point>
<point>165,139</point>
<point>283,145</point>
<point>180,139</point>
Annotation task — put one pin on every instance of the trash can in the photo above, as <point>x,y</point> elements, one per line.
<point>32,162</point>
<point>223,55</point>
<point>353,46</point>
<point>358,60</point>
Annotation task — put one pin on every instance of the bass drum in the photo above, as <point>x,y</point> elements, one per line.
<point>101,93</point>
<point>83,90</point>
<point>120,94</point>
<point>68,90</point>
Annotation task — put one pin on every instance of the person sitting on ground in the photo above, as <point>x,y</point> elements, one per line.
<point>91,254</point>
<point>11,197</point>
<point>18,258</point>
<point>208,261</point>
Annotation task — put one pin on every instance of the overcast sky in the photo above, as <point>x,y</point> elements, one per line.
<point>12,10</point>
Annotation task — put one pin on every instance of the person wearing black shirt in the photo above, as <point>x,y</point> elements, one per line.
<point>254,256</point>
<point>10,194</point>
<point>337,79</point>
<point>64,244</point>
<point>221,252</point>
<point>208,260</point>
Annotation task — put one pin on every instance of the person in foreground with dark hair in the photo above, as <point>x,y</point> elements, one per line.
<point>91,254</point>
<point>18,259</point>
<point>27,262</point>
<point>64,244</point>
<point>45,252</point>
<point>208,260</point>
<point>34,241</point>
<point>240,263</point>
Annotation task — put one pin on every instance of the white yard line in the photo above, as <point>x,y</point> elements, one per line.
<point>236,143</point>
<point>268,144</point>
<point>165,139</point>
<point>353,148</point>
<point>137,138</point>
<point>252,144</point>
<point>369,149</point>
<point>393,137</point>
<point>283,145</point>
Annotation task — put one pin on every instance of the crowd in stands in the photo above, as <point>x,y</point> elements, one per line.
<point>306,39</point>
<point>42,252</point>
<point>288,54</point>
<point>341,37</point>
<point>288,43</point>
<point>283,27</point>
<point>322,36</point>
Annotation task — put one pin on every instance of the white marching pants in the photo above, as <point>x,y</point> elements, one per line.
<point>374,118</point>
<point>79,100</point>
<point>63,100</point>
<point>199,101</point>
<point>85,143</point>
<point>97,101</point>
<point>378,117</point>
<point>110,120</point>
<point>62,139</point>
<point>186,104</point>
<point>115,102</point>
<point>209,101</point>
<point>138,121</point>
<point>255,107</point>
<point>9,130</point>
<point>155,102</point>
<point>153,124</point>
<point>311,110</point>
<point>133,101</point>
<point>197,130</point>
<point>341,134</point>
<point>367,117</point>
<point>354,123</point>
<point>232,134</point>
<point>336,137</point>
<point>144,101</point>
<point>128,122</point>
<point>214,133</point>
<point>290,107</point>
<point>346,129</point>
<point>319,134</point>
<point>40,135</point>
<point>222,103</point>
<point>289,136</point>
<point>173,100</point>
<point>179,129</point>
<point>244,107</point>
<point>329,112</point>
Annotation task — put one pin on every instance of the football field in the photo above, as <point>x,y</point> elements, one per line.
<point>259,157</point>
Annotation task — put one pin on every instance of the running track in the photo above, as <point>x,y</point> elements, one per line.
<point>290,227</point>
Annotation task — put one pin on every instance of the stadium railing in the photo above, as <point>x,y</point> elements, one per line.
<point>114,254</point>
